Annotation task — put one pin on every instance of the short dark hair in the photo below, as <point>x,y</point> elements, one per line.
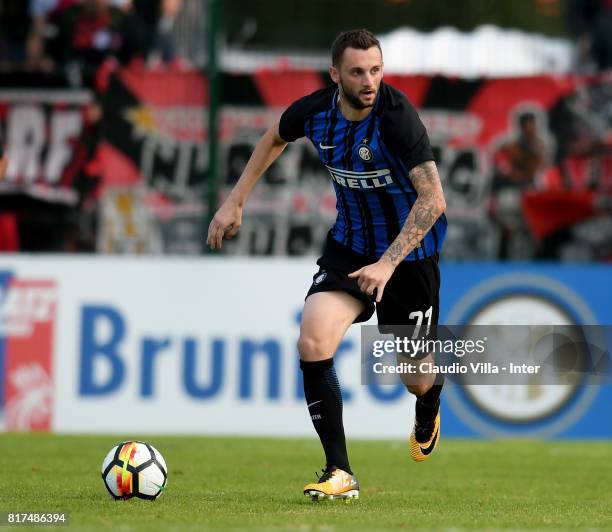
<point>359,39</point>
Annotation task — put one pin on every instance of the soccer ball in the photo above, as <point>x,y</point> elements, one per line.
<point>134,469</point>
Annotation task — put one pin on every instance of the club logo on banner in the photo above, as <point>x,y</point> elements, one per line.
<point>27,321</point>
<point>534,408</point>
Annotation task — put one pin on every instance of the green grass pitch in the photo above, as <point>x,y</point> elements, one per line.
<point>252,483</point>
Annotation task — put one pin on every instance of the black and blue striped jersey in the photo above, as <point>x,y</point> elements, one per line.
<point>368,162</point>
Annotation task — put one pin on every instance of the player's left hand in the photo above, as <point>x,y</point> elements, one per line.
<point>373,277</point>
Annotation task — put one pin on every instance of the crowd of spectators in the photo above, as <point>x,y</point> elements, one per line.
<point>78,35</point>
<point>59,42</point>
<point>50,35</point>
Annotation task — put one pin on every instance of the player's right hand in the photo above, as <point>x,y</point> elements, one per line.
<point>225,223</point>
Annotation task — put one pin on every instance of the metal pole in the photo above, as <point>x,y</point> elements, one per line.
<point>214,96</point>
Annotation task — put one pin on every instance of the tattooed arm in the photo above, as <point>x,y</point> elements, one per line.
<point>428,207</point>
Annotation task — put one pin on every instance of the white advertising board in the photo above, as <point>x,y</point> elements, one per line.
<point>168,345</point>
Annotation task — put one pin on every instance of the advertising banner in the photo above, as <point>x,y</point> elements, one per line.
<point>27,345</point>
<point>209,347</point>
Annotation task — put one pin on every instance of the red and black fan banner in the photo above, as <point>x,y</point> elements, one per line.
<point>154,131</point>
<point>48,141</point>
<point>503,147</point>
<point>526,163</point>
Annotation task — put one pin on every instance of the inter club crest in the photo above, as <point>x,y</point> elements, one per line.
<point>364,151</point>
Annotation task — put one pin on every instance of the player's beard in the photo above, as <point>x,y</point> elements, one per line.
<point>353,99</point>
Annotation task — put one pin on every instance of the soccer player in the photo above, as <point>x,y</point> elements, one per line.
<point>381,253</point>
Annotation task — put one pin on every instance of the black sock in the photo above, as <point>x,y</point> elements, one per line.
<point>324,400</point>
<point>427,404</point>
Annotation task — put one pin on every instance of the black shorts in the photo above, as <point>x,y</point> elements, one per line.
<point>411,295</point>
